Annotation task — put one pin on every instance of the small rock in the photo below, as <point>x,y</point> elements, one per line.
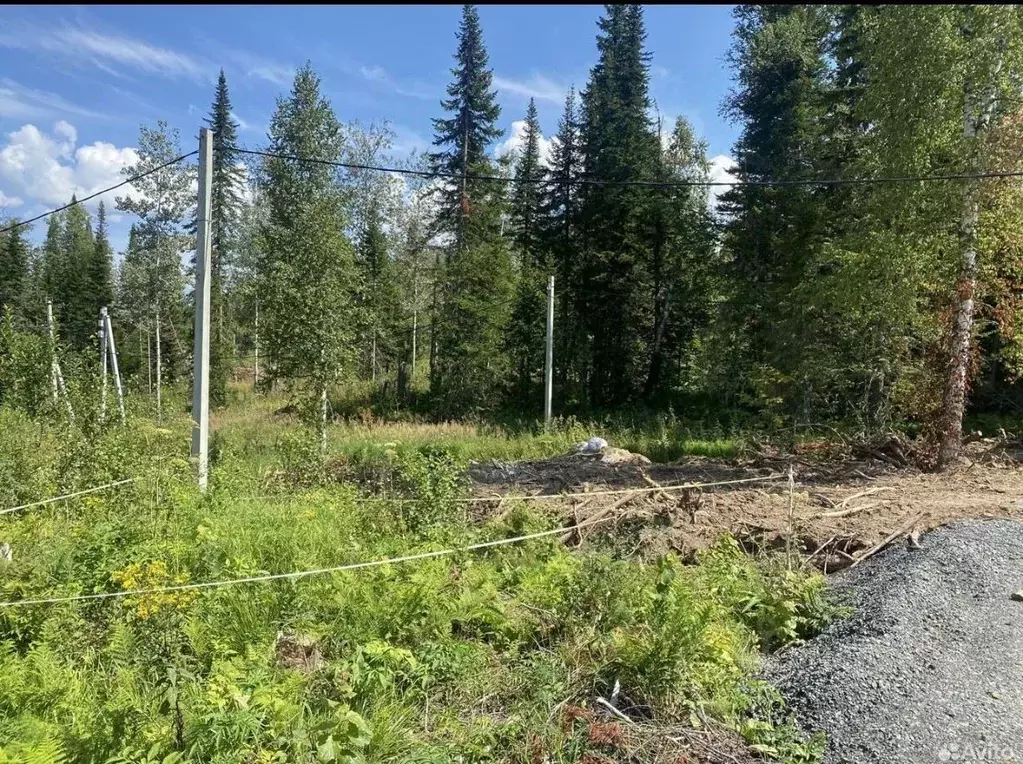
<point>1017,596</point>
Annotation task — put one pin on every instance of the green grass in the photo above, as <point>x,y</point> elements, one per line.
<point>463,658</point>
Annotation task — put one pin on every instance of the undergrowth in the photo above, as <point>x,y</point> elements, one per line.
<point>466,658</point>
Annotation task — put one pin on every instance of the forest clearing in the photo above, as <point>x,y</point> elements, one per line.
<point>576,448</point>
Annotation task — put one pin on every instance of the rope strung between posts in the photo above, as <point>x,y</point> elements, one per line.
<point>551,496</point>
<point>306,573</point>
<point>370,563</point>
<point>67,496</point>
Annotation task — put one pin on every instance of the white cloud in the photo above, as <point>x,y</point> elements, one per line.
<point>261,68</point>
<point>242,124</point>
<point>49,168</point>
<point>537,86</point>
<point>380,76</point>
<point>18,102</point>
<point>517,140</point>
<point>108,52</point>
<point>722,168</point>
<point>9,201</point>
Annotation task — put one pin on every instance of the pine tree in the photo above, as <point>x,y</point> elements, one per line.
<point>477,281</point>
<point>14,267</point>
<point>306,271</point>
<point>225,208</point>
<point>618,144</point>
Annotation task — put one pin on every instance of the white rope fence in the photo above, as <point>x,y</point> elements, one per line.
<point>67,496</point>
<point>551,496</point>
<point>367,564</point>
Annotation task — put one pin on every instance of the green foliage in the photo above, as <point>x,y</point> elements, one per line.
<point>199,675</point>
<point>470,364</point>
<point>306,269</point>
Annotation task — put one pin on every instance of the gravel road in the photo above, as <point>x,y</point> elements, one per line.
<point>929,668</point>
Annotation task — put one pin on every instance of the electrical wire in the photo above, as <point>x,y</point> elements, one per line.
<point>636,183</point>
<point>84,199</point>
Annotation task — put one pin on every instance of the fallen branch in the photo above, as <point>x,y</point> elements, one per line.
<point>614,711</point>
<point>850,511</point>
<point>900,531</point>
<point>654,484</point>
<point>566,537</point>
<point>868,492</point>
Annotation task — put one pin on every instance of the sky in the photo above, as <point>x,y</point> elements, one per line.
<point>76,82</point>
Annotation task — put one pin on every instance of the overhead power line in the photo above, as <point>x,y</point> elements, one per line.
<point>84,199</point>
<point>638,183</point>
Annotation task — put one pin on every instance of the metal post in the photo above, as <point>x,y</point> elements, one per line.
<point>103,363</point>
<point>112,348</point>
<point>201,352</point>
<point>549,365</point>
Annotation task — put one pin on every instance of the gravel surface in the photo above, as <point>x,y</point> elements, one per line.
<point>929,668</point>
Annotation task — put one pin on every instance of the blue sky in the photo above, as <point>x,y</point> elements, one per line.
<point>76,82</point>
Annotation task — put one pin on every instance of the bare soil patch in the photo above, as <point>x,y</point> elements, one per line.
<point>841,507</point>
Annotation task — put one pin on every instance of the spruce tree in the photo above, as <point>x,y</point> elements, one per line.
<point>774,233</point>
<point>99,278</point>
<point>14,264</point>
<point>477,281</point>
<point>51,259</point>
<point>225,209</point>
<point>527,192</point>
<point>618,144</point>
<point>559,217</point>
<point>73,298</point>
<point>306,271</point>
<point>380,296</point>
<point>527,329</point>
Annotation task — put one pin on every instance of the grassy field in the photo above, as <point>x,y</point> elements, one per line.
<point>474,657</point>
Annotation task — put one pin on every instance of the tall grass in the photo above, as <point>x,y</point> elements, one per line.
<point>462,658</point>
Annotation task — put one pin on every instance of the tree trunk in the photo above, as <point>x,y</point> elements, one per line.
<point>323,418</point>
<point>953,402</point>
<point>159,373</point>
<point>373,357</point>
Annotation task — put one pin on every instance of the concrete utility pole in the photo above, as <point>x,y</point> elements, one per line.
<point>548,382</point>
<point>112,349</point>
<point>201,353</point>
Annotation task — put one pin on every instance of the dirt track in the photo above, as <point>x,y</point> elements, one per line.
<point>840,508</point>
